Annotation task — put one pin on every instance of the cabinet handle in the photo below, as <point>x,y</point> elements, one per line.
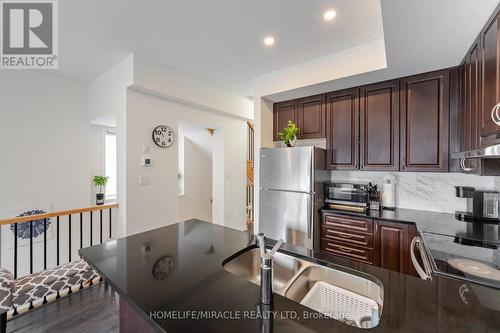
<point>462,165</point>
<point>495,114</point>
<point>341,234</point>
<point>344,249</point>
<point>463,291</point>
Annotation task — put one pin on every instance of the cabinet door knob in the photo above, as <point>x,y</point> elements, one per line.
<point>495,114</point>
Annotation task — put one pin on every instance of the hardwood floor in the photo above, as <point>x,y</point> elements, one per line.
<point>91,310</point>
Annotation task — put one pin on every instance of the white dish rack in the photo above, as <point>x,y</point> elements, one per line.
<point>341,304</point>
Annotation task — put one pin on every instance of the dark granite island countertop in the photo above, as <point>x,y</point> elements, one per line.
<point>197,284</point>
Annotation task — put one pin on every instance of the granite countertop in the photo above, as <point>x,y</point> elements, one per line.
<point>198,282</point>
<point>425,221</point>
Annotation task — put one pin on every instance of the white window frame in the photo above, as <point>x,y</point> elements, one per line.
<point>108,131</point>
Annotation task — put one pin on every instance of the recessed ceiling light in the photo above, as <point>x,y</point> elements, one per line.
<point>329,15</point>
<point>268,41</point>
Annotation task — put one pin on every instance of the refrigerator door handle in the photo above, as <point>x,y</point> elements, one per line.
<point>309,217</point>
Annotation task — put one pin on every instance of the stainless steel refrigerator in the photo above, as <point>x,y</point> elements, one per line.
<point>291,193</point>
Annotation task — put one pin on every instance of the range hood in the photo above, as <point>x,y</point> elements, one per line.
<point>492,151</point>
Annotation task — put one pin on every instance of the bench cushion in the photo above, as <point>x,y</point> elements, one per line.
<point>39,285</point>
<point>7,287</point>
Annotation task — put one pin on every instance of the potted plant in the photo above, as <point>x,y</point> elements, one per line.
<point>289,134</point>
<point>100,182</point>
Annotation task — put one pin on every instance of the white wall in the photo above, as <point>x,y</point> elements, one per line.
<point>107,107</point>
<point>156,205</point>
<point>184,89</point>
<point>263,137</point>
<point>44,141</point>
<point>219,159</point>
<point>154,80</point>
<point>106,94</point>
<point>359,59</point>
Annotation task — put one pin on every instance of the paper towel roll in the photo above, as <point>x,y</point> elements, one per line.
<point>389,192</point>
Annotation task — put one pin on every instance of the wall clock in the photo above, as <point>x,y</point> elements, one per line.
<point>163,136</point>
<point>163,267</point>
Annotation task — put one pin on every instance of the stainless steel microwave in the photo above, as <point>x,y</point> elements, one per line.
<point>346,193</point>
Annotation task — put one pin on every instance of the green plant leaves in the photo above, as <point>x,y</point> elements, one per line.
<point>289,133</point>
<point>100,181</point>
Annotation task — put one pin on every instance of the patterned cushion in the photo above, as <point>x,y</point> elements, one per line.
<point>39,285</point>
<point>7,288</point>
<point>69,269</point>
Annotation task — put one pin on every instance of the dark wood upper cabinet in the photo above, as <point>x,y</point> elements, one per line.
<point>283,112</point>
<point>469,110</point>
<point>311,117</point>
<point>342,129</point>
<point>462,106</point>
<point>379,126</point>
<point>472,86</point>
<point>490,74</point>
<point>425,122</point>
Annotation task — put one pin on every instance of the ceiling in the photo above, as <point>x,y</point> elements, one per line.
<point>420,36</point>
<point>217,41</point>
<point>220,41</point>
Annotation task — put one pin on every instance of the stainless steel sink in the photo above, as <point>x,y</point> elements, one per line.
<point>308,277</point>
<point>293,278</point>
<point>247,265</point>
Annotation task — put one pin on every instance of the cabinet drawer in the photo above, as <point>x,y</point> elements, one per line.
<point>347,250</point>
<point>348,223</point>
<point>334,234</point>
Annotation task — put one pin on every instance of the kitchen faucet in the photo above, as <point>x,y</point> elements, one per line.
<point>266,269</point>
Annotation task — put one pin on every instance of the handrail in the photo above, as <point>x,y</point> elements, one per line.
<point>250,124</point>
<point>20,219</point>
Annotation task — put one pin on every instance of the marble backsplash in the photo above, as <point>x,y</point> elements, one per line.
<point>424,191</point>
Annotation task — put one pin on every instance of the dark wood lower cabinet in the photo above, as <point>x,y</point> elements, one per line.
<point>393,248</point>
<point>381,243</point>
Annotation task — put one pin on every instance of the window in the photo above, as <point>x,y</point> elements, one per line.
<point>110,164</point>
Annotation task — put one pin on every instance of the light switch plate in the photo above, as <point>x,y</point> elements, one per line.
<point>146,148</point>
<point>144,180</point>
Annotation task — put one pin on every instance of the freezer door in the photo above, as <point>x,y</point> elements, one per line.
<point>287,215</point>
<point>287,169</point>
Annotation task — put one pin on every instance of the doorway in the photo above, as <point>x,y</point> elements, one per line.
<point>196,145</point>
